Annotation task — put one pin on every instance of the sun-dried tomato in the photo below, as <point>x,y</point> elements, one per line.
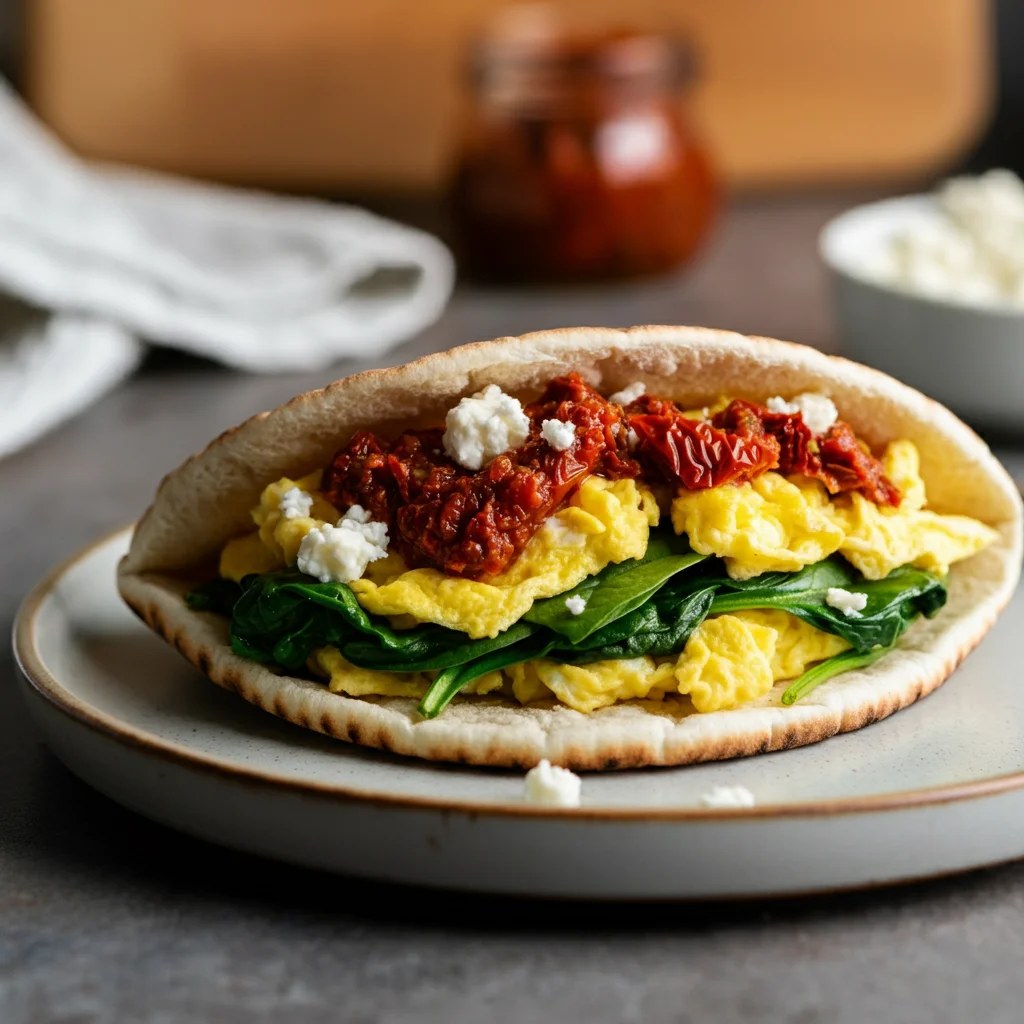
<point>792,435</point>
<point>838,460</point>
<point>381,476</point>
<point>475,524</point>
<point>852,467</point>
<point>696,454</point>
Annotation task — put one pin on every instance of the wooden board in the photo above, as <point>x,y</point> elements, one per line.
<point>365,93</point>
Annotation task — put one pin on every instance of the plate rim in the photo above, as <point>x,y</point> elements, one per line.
<point>47,687</point>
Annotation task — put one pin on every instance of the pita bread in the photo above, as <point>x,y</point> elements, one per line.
<point>207,500</point>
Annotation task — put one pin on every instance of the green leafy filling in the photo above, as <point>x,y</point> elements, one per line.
<point>642,606</point>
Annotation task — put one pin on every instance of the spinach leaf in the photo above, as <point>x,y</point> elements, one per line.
<point>892,603</point>
<point>218,595</point>
<point>661,626</point>
<point>435,648</point>
<point>609,595</point>
<point>452,680</point>
<point>283,629</point>
<point>832,572</point>
<point>268,597</point>
<point>838,663</point>
<point>282,617</point>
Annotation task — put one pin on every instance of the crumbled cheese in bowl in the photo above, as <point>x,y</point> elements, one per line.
<point>341,553</point>
<point>576,604</point>
<point>819,412</point>
<point>480,428</point>
<point>629,394</point>
<point>971,251</point>
<point>551,786</point>
<point>295,503</point>
<point>845,601</point>
<point>559,434</point>
<point>721,797</point>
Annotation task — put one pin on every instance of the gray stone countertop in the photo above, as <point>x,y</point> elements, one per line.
<point>105,917</point>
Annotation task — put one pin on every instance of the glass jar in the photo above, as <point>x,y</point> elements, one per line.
<point>576,160</point>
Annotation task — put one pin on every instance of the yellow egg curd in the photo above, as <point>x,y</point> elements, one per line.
<point>777,524</point>
<point>728,661</point>
<point>605,521</point>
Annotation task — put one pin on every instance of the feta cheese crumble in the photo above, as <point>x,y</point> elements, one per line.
<point>358,514</point>
<point>576,604</point>
<point>727,796</point>
<point>559,434</point>
<point>970,248</point>
<point>341,553</point>
<point>295,503</point>
<point>562,535</point>
<point>629,394</point>
<point>632,438</point>
<point>551,786</point>
<point>819,412</point>
<point>480,428</point>
<point>850,604</point>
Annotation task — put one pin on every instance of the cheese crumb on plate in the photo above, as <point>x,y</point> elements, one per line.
<point>551,786</point>
<point>722,797</point>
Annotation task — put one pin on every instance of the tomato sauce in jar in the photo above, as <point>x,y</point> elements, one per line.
<point>577,161</point>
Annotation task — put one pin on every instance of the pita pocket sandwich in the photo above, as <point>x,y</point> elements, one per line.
<point>603,548</point>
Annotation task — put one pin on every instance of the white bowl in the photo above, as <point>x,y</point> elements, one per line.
<point>969,357</point>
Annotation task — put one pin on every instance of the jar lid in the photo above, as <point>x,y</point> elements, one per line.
<point>530,40</point>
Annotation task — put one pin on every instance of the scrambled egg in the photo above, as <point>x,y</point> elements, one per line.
<point>768,524</point>
<point>726,662</point>
<point>729,660</point>
<point>606,521</point>
<point>879,539</point>
<point>366,682</point>
<point>588,687</point>
<point>775,524</point>
<point>276,542</point>
<point>797,643</point>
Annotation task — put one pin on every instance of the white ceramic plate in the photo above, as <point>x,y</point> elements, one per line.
<point>937,788</point>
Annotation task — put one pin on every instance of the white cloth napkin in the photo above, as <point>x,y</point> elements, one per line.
<point>111,256</point>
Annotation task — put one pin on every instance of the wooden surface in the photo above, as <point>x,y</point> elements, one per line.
<point>322,94</point>
<point>106,918</point>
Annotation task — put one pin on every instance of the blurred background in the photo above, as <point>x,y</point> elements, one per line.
<point>661,160</point>
<point>316,95</point>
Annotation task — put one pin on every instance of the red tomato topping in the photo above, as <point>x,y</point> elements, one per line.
<point>475,524</point>
<point>848,465</point>
<point>695,454</point>
<point>838,459</point>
